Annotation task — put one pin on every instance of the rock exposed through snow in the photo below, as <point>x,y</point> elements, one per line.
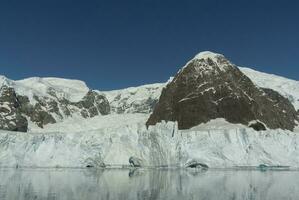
<point>211,87</point>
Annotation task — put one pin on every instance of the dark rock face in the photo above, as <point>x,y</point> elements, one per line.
<point>195,164</point>
<point>10,116</point>
<point>93,104</point>
<point>211,87</point>
<point>45,110</point>
<point>258,126</point>
<point>40,113</point>
<point>135,162</point>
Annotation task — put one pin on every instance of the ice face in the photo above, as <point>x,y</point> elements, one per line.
<point>160,145</point>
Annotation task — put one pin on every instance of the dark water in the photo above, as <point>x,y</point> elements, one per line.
<point>85,184</point>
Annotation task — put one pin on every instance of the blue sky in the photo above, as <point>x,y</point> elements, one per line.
<point>115,44</point>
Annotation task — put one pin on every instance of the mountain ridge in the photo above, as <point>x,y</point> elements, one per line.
<point>210,86</point>
<point>52,93</point>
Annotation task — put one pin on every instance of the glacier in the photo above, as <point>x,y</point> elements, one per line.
<point>111,140</point>
<point>116,138</point>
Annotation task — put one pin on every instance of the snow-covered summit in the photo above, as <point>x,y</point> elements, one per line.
<point>208,54</point>
<point>208,62</point>
<point>5,81</point>
<point>73,90</point>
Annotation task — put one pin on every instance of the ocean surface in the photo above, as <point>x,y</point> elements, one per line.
<point>143,184</point>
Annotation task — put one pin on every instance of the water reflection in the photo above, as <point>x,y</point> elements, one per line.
<point>84,184</point>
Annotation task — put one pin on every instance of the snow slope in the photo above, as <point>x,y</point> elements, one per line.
<point>286,87</point>
<point>73,90</point>
<point>134,99</point>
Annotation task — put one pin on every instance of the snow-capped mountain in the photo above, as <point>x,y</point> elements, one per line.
<point>210,87</point>
<point>69,125</point>
<point>126,100</point>
<point>42,101</point>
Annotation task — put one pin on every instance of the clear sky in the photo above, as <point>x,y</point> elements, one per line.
<point>115,44</point>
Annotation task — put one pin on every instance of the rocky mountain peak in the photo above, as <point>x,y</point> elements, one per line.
<point>208,62</point>
<point>208,55</point>
<point>209,87</point>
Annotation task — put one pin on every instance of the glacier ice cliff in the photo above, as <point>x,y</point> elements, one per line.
<point>216,144</point>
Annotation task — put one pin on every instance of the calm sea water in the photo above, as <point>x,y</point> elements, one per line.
<point>85,184</point>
